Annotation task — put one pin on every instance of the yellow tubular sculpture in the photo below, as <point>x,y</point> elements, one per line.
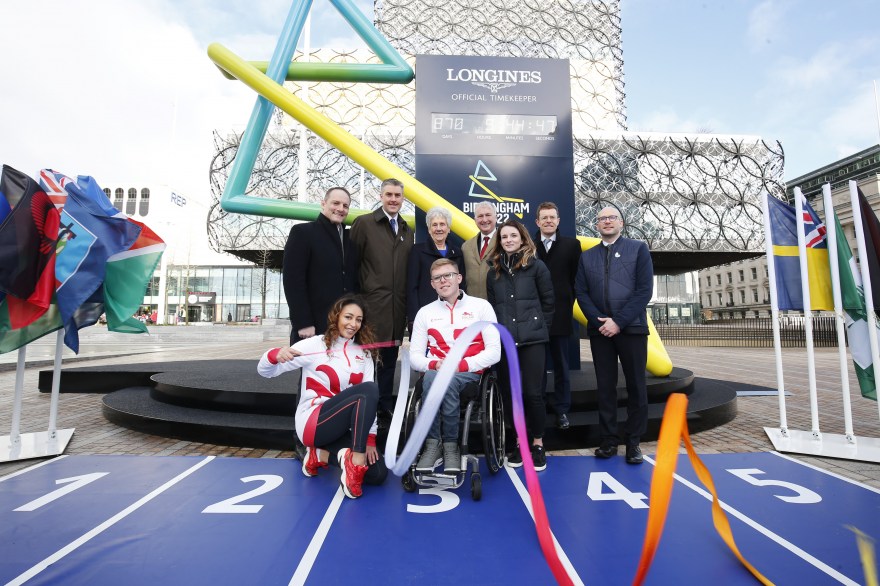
<point>422,196</point>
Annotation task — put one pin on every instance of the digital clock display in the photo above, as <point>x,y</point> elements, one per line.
<point>511,124</point>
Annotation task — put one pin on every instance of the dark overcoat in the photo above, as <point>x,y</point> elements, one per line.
<point>318,269</point>
<point>384,257</point>
<point>419,291</point>
<point>562,260</point>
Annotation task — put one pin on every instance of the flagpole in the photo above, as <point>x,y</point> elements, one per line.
<point>56,384</point>
<point>15,431</point>
<point>774,316</point>
<point>808,312</point>
<point>831,227</point>
<point>866,282</point>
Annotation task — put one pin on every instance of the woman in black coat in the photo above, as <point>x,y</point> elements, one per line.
<point>418,274</point>
<point>520,290</point>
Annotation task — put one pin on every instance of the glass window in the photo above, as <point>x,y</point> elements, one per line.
<point>720,300</point>
<point>145,202</point>
<point>730,297</point>
<point>742,275</point>
<point>742,296</point>
<point>718,278</point>
<point>709,281</point>
<point>229,279</point>
<point>130,203</point>
<point>755,295</point>
<point>730,277</point>
<point>117,201</point>
<point>754,273</point>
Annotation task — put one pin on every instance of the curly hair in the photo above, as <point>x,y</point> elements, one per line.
<point>363,337</point>
<point>527,249</point>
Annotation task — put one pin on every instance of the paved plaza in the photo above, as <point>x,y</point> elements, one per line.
<point>95,435</point>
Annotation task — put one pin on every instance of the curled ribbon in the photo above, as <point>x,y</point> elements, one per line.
<point>430,406</point>
<point>674,428</point>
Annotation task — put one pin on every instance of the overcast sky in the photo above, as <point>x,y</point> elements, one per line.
<point>123,89</point>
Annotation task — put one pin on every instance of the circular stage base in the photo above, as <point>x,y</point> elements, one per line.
<point>226,402</point>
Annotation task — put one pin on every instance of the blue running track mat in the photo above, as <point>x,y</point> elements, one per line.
<point>201,520</point>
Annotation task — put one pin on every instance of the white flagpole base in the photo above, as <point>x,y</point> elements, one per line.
<point>828,445</point>
<point>34,445</point>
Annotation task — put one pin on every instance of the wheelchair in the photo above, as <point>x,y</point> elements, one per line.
<point>482,410</point>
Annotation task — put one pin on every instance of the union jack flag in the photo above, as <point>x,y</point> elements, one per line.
<point>814,229</point>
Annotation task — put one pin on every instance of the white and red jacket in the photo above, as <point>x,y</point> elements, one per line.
<point>325,373</point>
<point>438,325</point>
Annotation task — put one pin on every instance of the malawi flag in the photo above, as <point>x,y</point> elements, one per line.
<point>127,277</point>
<point>28,236</point>
<point>857,327</point>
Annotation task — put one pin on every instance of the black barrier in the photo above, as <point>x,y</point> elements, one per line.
<point>751,333</point>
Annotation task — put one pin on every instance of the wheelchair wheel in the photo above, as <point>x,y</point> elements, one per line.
<point>409,483</point>
<point>493,423</point>
<point>413,405</point>
<point>476,486</point>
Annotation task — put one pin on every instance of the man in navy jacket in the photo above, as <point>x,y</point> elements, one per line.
<point>614,284</point>
<point>320,265</point>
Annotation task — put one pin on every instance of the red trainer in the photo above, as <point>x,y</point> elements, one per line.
<point>352,475</point>
<point>312,463</point>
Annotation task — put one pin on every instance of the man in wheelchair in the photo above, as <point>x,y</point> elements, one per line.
<point>434,331</point>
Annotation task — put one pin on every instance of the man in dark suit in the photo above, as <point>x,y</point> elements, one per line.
<point>320,265</point>
<point>561,255</point>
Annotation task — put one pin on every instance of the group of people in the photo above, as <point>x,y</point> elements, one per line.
<point>353,293</point>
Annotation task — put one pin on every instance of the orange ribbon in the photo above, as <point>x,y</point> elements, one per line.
<point>673,428</point>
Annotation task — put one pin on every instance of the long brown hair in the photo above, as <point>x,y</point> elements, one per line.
<point>527,249</point>
<point>363,337</point>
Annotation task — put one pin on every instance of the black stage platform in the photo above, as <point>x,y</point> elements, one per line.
<point>226,402</point>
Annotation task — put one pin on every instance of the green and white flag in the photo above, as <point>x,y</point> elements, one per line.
<point>853,296</point>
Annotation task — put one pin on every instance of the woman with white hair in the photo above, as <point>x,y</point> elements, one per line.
<point>418,275</point>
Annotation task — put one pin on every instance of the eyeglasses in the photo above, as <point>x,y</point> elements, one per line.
<point>443,277</point>
<point>601,219</point>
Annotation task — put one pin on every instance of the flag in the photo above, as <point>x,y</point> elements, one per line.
<point>871,227</point>
<point>857,327</point>
<point>14,338</point>
<point>783,235</point>
<point>28,235</point>
<point>127,278</point>
<point>91,232</point>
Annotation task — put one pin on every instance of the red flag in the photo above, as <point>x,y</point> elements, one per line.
<point>28,236</point>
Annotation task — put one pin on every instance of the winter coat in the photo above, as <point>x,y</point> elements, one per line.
<point>616,281</point>
<point>562,260</point>
<point>384,257</point>
<point>418,274</point>
<point>523,300</point>
<point>316,272</point>
<point>477,269</point>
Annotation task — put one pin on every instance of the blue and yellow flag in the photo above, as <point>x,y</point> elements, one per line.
<point>783,234</point>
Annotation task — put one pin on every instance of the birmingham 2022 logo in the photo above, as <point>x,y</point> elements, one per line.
<point>479,190</point>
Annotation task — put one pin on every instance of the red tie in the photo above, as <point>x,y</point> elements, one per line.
<point>485,245</point>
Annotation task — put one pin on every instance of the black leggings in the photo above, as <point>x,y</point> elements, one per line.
<point>531,368</point>
<point>344,421</point>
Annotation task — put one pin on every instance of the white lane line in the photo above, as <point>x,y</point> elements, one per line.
<point>828,472</point>
<point>73,545</point>
<point>29,468</point>
<point>314,548</point>
<point>524,495</point>
<point>815,562</point>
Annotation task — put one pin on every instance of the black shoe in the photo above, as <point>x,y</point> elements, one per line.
<point>562,421</point>
<point>606,450</point>
<point>514,460</point>
<point>634,455</point>
<point>539,458</point>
